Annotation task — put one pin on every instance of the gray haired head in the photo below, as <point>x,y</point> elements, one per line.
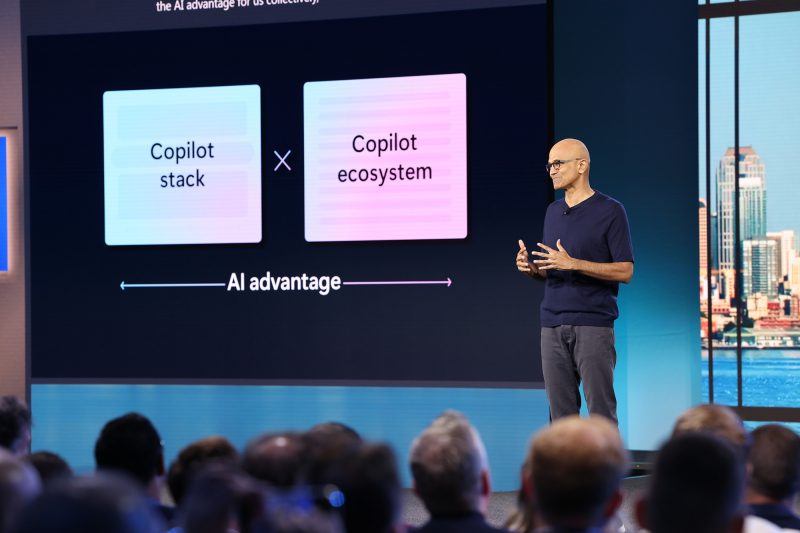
<point>448,462</point>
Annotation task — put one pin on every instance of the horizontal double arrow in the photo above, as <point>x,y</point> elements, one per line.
<point>124,285</point>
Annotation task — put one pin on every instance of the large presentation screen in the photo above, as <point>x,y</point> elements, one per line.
<point>285,193</point>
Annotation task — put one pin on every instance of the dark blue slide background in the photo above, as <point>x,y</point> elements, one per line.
<point>482,330</point>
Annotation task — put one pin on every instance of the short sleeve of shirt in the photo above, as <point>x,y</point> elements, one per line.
<point>619,237</point>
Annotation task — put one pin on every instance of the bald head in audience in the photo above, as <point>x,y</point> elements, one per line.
<point>576,470</point>
<point>277,458</point>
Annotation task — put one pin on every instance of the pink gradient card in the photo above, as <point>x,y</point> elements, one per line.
<point>386,159</point>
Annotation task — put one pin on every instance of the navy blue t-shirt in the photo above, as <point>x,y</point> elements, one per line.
<point>594,230</point>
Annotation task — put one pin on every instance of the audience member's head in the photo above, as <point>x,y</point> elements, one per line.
<point>99,504</point>
<point>222,498</point>
<point>576,471</point>
<point>19,484</point>
<point>334,431</point>
<point>131,444</point>
<point>369,479</point>
<point>277,458</point>
<point>714,419</point>
<point>192,458</point>
<point>696,487</point>
<point>774,461</point>
<point>326,444</point>
<point>50,466</point>
<point>449,466</point>
<point>15,426</point>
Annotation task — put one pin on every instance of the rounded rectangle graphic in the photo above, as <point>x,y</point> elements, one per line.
<point>386,158</point>
<point>182,166</point>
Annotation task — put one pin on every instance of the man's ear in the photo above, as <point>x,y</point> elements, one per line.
<point>527,487</point>
<point>641,513</point>
<point>614,503</point>
<point>486,484</point>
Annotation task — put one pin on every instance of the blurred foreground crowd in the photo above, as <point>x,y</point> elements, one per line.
<point>710,476</point>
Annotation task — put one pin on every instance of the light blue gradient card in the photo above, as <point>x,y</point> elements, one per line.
<point>182,166</point>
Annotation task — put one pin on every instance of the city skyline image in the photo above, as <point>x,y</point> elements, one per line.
<point>767,211</point>
<point>769,260</point>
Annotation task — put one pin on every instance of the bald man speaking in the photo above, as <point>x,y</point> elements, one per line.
<point>585,253</point>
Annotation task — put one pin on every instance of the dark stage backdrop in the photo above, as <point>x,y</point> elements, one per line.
<point>632,97</point>
<point>481,329</point>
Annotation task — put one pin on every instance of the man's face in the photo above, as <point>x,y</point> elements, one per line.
<point>568,172</point>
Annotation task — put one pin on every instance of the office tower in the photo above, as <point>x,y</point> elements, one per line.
<point>703,225</point>
<point>714,228</point>
<point>786,240</point>
<point>794,275</point>
<point>752,201</point>
<point>760,265</point>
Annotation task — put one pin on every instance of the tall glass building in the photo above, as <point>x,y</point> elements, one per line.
<point>752,201</point>
<point>761,266</point>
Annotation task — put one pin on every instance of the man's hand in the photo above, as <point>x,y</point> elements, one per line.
<point>554,259</point>
<point>524,264</point>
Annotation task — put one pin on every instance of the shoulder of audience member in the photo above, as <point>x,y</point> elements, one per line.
<point>756,524</point>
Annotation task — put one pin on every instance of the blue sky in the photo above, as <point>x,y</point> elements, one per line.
<point>769,104</point>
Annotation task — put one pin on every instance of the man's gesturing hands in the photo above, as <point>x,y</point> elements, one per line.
<point>558,259</point>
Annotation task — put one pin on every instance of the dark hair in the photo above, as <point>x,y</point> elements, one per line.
<point>132,445</point>
<point>334,430</point>
<point>218,493</point>
<point>14,418</point>
<point>326,444</point>
<point>369,480</point>
<point>192,458</point>
<point>697,485</point>
<point>100,504</point>
<point>775,461</point>
<point>277,458</point>
<point>49,465</point>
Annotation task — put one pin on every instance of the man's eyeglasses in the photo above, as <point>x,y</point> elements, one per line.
<point>556,165</point>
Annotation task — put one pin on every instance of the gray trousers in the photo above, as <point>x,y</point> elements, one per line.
<point>575,354</point>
